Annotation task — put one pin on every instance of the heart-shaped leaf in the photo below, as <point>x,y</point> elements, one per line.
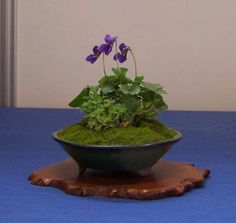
<point>139,79</point>
<point>157,88</point>
<point>120,70</point>
<point>79,100</point>
<point>132,89</point>
<point>159,103</point>
<point>108,84</point>
<point>132,104</point>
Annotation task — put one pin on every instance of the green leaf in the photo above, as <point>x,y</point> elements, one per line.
<point>77,101</point>
<point>159,103</point>
<point>148,95</point>
<point>108,89</point>
<point>107,80</point>
<point>122,79</point>
<point>139,79</point>
<point>161,91</point>
<point>157,88</point>
<point>108,83</point>
<point>132,89</point>
<point>121,75</point>
<point>93,90</point>
<point>120,70</point>
<point>132,104</point>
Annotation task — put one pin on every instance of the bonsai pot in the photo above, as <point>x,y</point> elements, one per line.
<point>117,158</point>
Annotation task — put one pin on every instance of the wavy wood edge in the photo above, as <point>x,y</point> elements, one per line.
<point>122,191</point>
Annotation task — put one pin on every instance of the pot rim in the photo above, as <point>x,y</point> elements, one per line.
<point>128,146</point>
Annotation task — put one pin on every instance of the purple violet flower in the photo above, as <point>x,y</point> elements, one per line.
<point>109,39</point>
<point>93,57</point>
<point>107,47</point>
<point>122,55</point>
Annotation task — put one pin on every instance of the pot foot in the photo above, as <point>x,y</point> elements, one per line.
<point>81,170</point>
<point>144,172</point>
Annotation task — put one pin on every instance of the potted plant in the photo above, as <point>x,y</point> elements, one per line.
<point>119,132</point>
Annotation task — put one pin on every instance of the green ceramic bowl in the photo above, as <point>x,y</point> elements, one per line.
<point>117,158</point>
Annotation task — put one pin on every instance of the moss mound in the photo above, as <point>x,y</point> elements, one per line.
<point>147,132</point>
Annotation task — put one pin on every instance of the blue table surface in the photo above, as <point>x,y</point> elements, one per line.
<point>25,145</point>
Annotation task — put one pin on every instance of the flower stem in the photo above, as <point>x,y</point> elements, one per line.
<point>103,63</point>
<point>135,64</point>
<point>117,63</point>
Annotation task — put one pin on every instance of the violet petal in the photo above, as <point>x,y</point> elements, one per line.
<point>95,49</point>
<point>122,47</point>
<point>116,56</point>
<point>109,39</point>
<point>108,50</point>
<point>103,48</point>
<point>122,58</point>
<point>91,58</point>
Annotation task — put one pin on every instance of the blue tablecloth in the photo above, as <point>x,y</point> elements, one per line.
<point>25,145</point>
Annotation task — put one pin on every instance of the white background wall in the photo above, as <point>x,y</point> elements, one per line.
<point>187,45</point>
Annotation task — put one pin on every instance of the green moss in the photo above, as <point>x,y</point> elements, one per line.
<point>147,132</point>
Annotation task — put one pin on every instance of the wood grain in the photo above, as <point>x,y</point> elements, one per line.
<point>167,178</point>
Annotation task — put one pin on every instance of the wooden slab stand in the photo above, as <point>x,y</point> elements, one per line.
<point>167,178</point>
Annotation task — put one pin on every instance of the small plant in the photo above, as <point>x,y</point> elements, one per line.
<point>117,100</point>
